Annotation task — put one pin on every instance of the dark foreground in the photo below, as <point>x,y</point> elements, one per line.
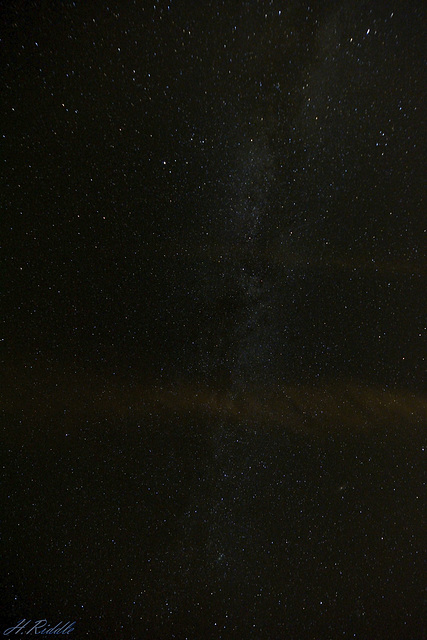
<point>195,521</point>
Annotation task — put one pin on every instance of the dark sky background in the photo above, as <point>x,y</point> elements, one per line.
<point>204,202</point>
<point>226,187</point>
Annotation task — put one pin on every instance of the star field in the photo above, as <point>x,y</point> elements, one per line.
<point>214,404</point>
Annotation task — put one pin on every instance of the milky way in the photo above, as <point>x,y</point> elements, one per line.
<point>214,410</point>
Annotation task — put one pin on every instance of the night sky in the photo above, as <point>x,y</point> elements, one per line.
<point>213,283</point>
